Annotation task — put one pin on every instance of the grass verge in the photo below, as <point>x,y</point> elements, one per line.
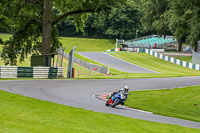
<point>83,44</point>
<point>86,44</point>
<point>165,69</point>
<point>184,58</point>
<point>21,114</point>
<point>179,102</point>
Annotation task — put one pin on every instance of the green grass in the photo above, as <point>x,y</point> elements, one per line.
<point>4,37</point>
<point>87,45</point>
<point>180,102</point>
<point>184,58</point>
<point>83,44</point>
<point>165,69</point>
<point>25,63</point>
<point>21,114</point>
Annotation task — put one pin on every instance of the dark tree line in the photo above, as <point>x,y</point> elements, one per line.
<point>29,20</point>
<point>119,23</point>
<point>33,23</point>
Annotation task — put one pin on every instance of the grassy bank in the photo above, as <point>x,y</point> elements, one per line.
<point>83,44</point>
<point>21,114</point>
<point>86,44</point>
<point>180,102</point>
<point>184,58</point>
<point>165,69</point>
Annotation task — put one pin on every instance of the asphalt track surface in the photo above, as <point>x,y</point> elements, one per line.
<point>114,62</point>
<point>81,94</point>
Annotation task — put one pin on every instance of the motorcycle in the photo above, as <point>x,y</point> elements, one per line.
<point>116,99</point>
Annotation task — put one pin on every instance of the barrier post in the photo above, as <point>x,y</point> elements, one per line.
<point>73,71</point>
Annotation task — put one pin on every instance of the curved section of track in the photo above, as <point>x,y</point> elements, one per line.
<point>79,93</point>
<point>115,63</point>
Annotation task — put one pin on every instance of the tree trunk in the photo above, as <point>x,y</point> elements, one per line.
<point>195,46</point>
<point>46,28</point>
<point>180,44</point>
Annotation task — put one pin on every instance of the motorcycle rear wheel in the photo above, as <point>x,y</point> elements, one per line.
<point>107,103</point>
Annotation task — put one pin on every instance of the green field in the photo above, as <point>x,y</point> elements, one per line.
<point>180,102</point>
<point>21,114</point>
<point>165,69</point>
<point>87,45</point>
<point>184,58</point>
<point>83,44</point>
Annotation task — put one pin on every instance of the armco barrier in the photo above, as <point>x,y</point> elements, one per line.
<point>30,72</point>
<point>8,71</point>
<point>88,65</point>
<point>171,59</point>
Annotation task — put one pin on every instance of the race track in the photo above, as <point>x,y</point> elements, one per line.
<point>115,63</point>
<point>81,94</point>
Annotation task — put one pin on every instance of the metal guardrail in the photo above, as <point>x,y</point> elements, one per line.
<point>88,65</point>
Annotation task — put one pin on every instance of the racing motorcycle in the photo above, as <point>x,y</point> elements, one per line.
<point>116,99</point>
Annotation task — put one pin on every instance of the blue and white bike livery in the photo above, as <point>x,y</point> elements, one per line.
<point>116,99</point>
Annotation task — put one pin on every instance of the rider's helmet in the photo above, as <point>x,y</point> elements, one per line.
<point>125,89</point>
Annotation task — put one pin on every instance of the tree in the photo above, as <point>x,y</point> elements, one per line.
<point>178,21</point>
<point>155,16</point>
<point>32,19</point>
<point>122,22</point>
<point>185,20</point>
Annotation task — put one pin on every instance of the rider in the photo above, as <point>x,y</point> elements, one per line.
<point>123,92</point>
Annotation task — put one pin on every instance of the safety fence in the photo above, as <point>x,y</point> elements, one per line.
<point>30,72</point>
<point>195,57</point>
<point>87,65</point>
<point>171,59</point>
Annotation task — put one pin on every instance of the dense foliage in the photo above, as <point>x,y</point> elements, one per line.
<point>181,18</point>
<point>120,22</point>
<point>28,21</point>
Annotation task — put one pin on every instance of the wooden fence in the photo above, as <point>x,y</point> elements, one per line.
<point>30,72</point>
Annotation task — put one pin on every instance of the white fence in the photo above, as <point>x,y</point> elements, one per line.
<point>8,71</point>
<point>30,72</point>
